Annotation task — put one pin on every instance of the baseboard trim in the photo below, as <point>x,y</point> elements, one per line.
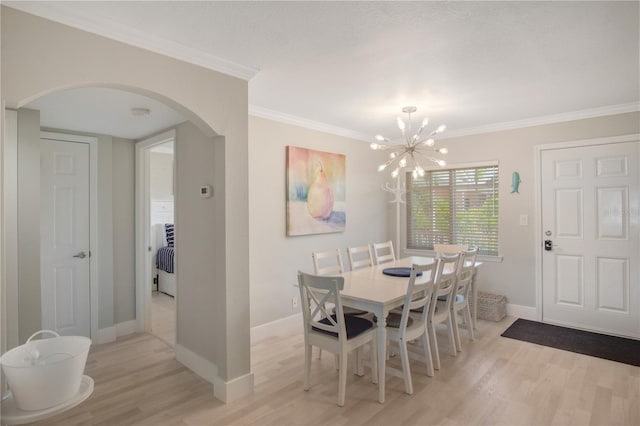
<point>127,327</point>
<point>521,311</point>
<point>106,335</point>
<point>281,327</point>
<point>234,389</point>
<point>199,365</point>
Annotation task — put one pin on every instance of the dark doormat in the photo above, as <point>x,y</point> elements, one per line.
<point>612,348</point>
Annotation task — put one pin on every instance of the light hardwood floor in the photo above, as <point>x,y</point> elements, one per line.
<point>163,317</point>
<point>494,380</point>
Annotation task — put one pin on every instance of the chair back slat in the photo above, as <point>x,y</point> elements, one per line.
<point>383,252</point>
<point>327,262</point>
<point>360,257</point>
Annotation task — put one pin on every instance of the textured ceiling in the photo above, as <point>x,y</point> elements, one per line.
<point>354,65</point>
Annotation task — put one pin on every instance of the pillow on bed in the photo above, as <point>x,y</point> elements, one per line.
<point>168,227</point>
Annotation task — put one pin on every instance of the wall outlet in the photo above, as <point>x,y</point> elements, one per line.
<point>294,303</point>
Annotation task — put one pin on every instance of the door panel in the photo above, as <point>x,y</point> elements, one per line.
<point>613,284</point>
<point>64,220</point>
<point>590,214</point>
<point>569,280</point>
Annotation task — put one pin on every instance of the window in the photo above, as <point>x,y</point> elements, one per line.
<point>454,206</point>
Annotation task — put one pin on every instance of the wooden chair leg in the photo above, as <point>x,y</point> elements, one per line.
<point>467,315</point>
<point>452,338</point>
<point>308,349</point>
<point>342,378</point>
<point>434,346</point>
<point>456,330</point>
<point>359,365</point>
<point>427,354</point>
<point>374,361</point>
<point>406,369</point>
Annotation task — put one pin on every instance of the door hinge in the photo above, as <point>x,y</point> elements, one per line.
<point>89,253</point>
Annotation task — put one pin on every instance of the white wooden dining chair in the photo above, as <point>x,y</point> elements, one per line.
<point>383,252</point>
<point>440,310</point>
<point>466,269</point>
<point>330,263</point>
<point>412,323</point>
<point>336,332</point>
<point>360,257</point>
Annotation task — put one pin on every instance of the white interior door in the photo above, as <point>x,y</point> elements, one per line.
<point>590,217</point>
<point>64,221</point>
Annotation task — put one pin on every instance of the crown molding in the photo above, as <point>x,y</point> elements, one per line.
<point>546,119</point>
<point>489,128</point>
<point>282,117</point>
<point>110,29</point>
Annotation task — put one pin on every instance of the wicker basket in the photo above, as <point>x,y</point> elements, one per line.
<point>492,307</point>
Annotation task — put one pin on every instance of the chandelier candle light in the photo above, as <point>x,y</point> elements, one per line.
<point>415,148</point>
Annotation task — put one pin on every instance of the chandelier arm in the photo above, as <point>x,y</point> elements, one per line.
<point>415,148</point>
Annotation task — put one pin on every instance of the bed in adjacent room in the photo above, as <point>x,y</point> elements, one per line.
<point>165,265</point>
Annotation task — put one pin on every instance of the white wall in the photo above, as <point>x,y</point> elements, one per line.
<point>161,176</point>
<point>276,258</point>
<point>514,149</point>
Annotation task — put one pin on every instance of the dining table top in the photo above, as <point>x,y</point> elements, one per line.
<point>371,284</point>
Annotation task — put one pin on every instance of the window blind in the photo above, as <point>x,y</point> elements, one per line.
<point>454,206</point>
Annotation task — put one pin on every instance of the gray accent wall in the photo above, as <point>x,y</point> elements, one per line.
<point>124,268</point>
<point>195,243</point>
<point>29,311</point>
<point>105,248</point>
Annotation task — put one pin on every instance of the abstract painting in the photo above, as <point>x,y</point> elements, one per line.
<point>315,192</point>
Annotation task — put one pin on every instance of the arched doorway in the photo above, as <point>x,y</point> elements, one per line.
<point>216,340</point>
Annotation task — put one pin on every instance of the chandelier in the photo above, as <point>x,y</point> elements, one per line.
<point>414,149</point>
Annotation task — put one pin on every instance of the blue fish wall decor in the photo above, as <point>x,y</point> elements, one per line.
<point>515,182</point>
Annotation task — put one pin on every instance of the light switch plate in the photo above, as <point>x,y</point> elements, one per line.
<point>524,220</point>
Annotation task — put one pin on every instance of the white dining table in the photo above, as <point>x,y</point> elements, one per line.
<point>371,290</point>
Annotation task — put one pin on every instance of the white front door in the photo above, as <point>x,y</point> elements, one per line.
<point>64,227</point>
<point>590,224</point>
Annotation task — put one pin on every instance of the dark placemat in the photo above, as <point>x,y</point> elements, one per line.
<point>598,345</point>
<point>399,272</point>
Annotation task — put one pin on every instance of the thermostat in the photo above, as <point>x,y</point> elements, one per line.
<point>206,191</point>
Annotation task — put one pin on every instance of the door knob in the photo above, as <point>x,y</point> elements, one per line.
<point>548,245</point>
<point>81,255</point>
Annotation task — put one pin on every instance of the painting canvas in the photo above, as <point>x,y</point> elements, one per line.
<point>315,192</point>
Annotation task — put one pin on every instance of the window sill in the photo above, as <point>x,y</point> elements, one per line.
<point>431,253</point>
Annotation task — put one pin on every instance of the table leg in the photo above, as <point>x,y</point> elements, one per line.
<point>382,353</point>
